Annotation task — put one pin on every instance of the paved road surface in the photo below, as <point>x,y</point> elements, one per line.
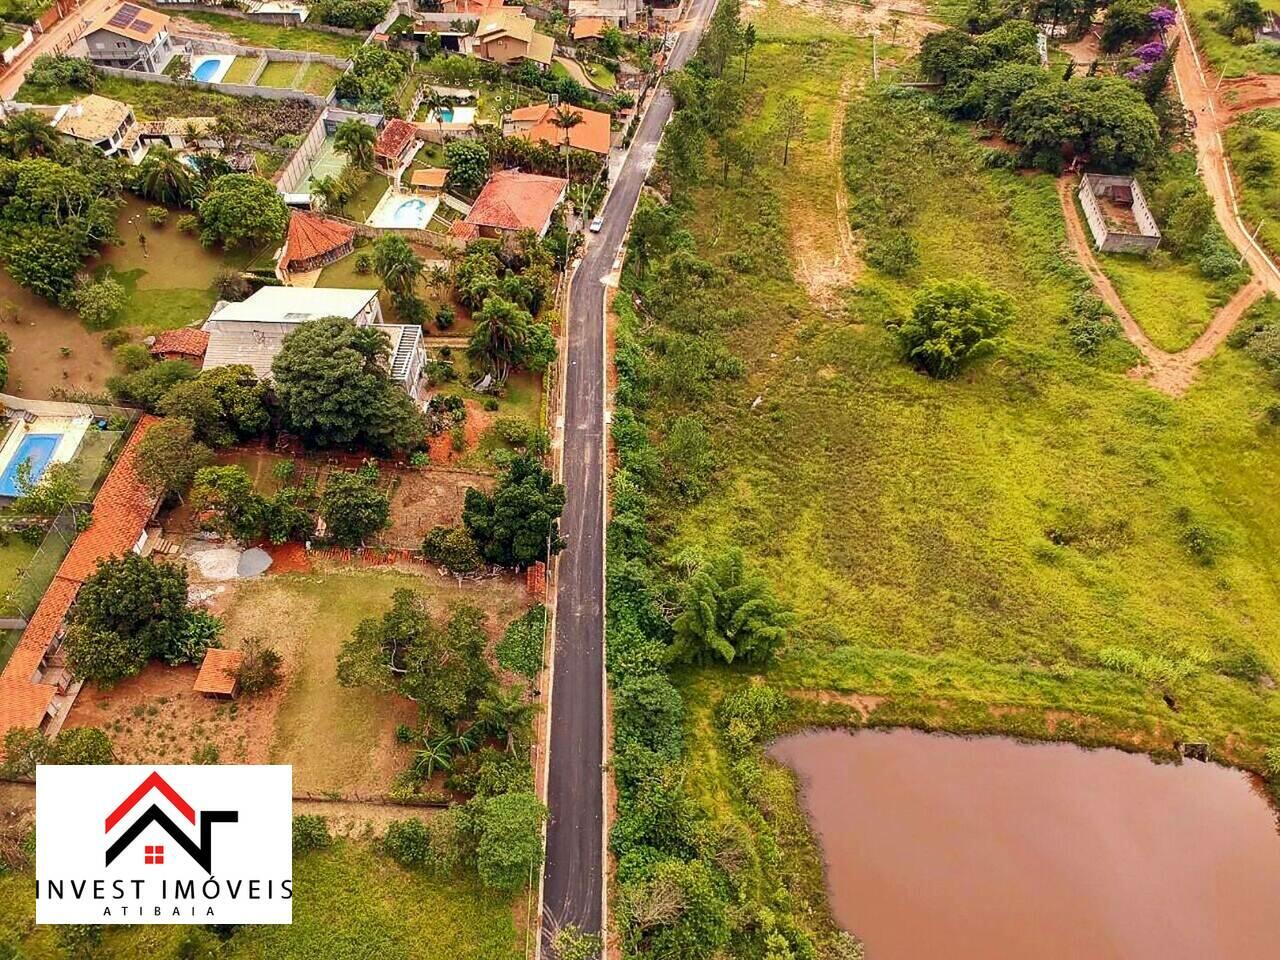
<point>573,879</point>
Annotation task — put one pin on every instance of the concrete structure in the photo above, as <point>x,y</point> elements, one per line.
<point>107,124</point>
<point>1117,213</point>
<point>510,202</point>
<point>131,37</point>
<point>294,305</point>
<point>505,36</point>
<point>618,13</point>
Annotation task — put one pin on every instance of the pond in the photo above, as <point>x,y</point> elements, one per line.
<point>990,848</point>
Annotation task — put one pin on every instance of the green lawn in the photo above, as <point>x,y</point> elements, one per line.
<point>317,78</point>
<point>1171,301</point>
<point>1253,145</point>
<point>601,75</point>
<point>343,273</point>
<point>1227,58</point>
<point>15,554</point>
<point>9,38</point>
<point>270,36</point>
<point>241,70</point>
<point>349,903</point>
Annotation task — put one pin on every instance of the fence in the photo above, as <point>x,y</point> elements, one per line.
<point>295,169</point>
<point>199,45</point>
<point>279,19</point>
<point>34,579</point>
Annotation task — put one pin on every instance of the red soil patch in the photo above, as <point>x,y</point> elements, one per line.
<point>478,419</point>
<point>288,558</point>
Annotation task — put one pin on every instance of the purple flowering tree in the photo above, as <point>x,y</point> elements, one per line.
<point>1151,52</point>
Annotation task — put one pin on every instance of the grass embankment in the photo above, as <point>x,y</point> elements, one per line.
<point>272,36</point>
<point>241,70</point>
<point>1253,145</point>
<point>1041,546</point>
<point>349,903</point>
<point>1171,300</point>
<point>1226,58</point>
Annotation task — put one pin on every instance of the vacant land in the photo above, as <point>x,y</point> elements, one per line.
<point>1227,58</point>
<point>1172,301</point>
<point>267,35</point>
<point>1253,145</point>
<point>350,903</point>
<point>317,78</point>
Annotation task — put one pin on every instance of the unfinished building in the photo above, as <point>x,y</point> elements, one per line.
<point>1118,214</point>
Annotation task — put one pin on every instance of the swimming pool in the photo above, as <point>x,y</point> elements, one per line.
<point>400,210</point>
<point>210,69</point>
<point>458,115</point>
<point>35,449</point>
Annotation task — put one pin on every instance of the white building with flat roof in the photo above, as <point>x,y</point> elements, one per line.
<point>300,304</point>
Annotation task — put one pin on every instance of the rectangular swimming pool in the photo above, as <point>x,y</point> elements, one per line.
<point>35,449</point>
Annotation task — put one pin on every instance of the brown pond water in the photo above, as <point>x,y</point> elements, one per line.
<point>990,849</point>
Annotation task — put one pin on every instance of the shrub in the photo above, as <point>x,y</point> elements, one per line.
<point>231,285</point>
<point>364,263</point>
<point>157,216</point>
<point>444,317</point>
<point>520,649</point>
<point>310,832</point>
<point>188,223</point>
<point>452,547</point>
<point>408,842</point>
<point>749,715</point>
<point>1271,763</point>
<point>892,251</point>
<point>260,668</point>
<point>1218,262</point>
<point>951,322</point>
<point>206,754</point>
<point>132,357</point>
<point>1090,323</point>
<point>99,302</point>
<point>405,733</point>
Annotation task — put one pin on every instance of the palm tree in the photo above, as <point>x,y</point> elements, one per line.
<point>436,104</point>
<point>27,135</point>
<point>438,278</point>
<point>504,713</point>
<point>499,337</point>
<point>396,263</point>
<point>356,138</point>
<point>566,118</point>
<point>331,192</point>
<point>164,178</point>
<point>435,754</point>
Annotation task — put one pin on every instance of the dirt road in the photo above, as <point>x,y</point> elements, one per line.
<point>56,39</point>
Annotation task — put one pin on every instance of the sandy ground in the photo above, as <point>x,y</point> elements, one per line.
<point>905,23</point>
<point>1249,93</point>
<point>440,448</point>
<point>428,498</point>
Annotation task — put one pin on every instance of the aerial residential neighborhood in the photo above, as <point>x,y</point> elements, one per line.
<point>754,479</point>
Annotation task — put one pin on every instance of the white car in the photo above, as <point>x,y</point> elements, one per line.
<point>596,224</point>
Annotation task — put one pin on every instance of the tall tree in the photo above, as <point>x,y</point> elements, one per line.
<point>565,118</point>
<point>791,122</point>
<point>518,523</point>
<point>729,614</point>
<point>748,44</point>
<point>242,209</point>
<point>164,178</point>
<point>397,264</point>
<point>356,139</point>
<point>27,134</point>
<point>169,456</point>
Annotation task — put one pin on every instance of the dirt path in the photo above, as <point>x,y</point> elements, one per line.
<point>1172,373</point>
<point>825,267</point>
<point>57,39</point>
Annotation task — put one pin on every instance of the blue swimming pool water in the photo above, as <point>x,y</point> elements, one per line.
<point>36,449</point>
<point>410,213</point>
<point>446,115</point>
<point>207,70</point>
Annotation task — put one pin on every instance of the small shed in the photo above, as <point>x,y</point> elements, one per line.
<point>184,343</point>
<point>217,676</point>
<point>1118,216</point>
<point>429,180</point>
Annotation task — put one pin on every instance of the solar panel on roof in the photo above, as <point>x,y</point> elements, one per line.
<point>141,26</point>
<point>125,15</point>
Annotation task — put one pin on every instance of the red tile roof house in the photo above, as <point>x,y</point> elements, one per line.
<point>510,202</point>
<point>184,343</point>
<point>314,242</point>
<point>535,123</point>
<point>36,688</point>
<point>394,145</point>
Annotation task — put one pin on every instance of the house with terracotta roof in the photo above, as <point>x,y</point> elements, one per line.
<point>587,28</point>
<point>36,686</point>
<point>132,37</point>
<point>314,242</point>
<point>185,343</point>
<point>107,124</point>
<point>537,123</point>
<point>510,202</point>
<point>507,36</point>
<point>395,145</point>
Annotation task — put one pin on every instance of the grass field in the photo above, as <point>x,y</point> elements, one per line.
<point>994,539</point>
<point>15,554</point>
<point>1171,301</point>
<point>240,70</point>
<point>1253,145</point>
<point>271,36</point>
<point>1227,58</point>
<point>341,739</point>
<point>317,78</point>
<point>349,903</point>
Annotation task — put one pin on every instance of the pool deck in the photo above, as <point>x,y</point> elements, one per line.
<point>224,61</point>
<point>71,431</point>
<point>384,213</point>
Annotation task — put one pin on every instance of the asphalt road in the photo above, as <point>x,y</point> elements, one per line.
<point>573,878</point>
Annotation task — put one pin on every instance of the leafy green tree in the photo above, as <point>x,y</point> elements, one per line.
<point>82,746</point>
<point>441,668</point>
<point>516,524</point>
<point>99,302</point>
<point>509,852</point>
<point>676,912</point>
<point>791,122</point>
<point>951,322</point>
<point>729,613</point>
<point>242,209</point>
<point>356,139</point>
<point>162,177</point>
<point>506,336</point>
<point>58,486</point>
<point>468,163</point>
<point>396,263</point>
<point>1126,21</point>
<point>224,404</point>
<point>261,667</point>
<point>146,387</point>
<point>227,493</point>
<point>169,456</point>
<point>1243,18</point>
<point>452,547</point>
<point>25,748</point>
<point>353,505</point>
<point>408,842</point>
<point>334,390</point>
